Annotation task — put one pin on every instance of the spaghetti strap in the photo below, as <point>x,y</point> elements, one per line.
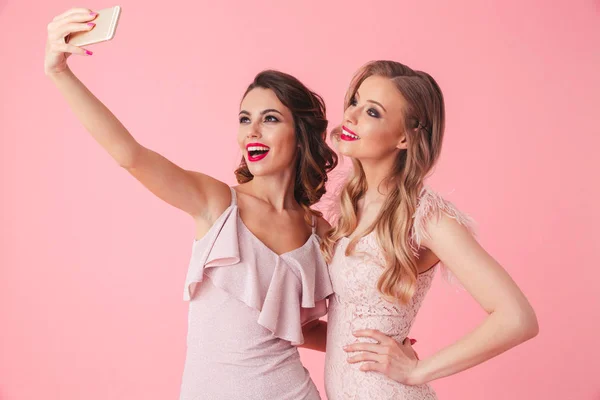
<point>238,284</point>
<point>233,197</point>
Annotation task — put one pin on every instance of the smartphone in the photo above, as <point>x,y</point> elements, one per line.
<point>106,25</point>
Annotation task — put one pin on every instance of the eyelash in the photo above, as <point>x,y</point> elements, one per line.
<point>246,119</point>
<point>374,112</point>
<point>371,111</point>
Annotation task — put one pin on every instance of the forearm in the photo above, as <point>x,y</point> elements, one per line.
<point>97,119</point>
<point>498,333</point>
<point>315,336</point>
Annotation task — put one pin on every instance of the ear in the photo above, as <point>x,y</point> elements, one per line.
<point>402,143</point>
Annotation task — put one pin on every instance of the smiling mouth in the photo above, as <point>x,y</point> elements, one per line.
<point>256,151</point>
<point>348,135</point>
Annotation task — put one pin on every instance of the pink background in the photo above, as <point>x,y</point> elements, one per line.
<point>92,266</point>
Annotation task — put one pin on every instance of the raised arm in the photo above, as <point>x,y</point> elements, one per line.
<point>197,194</point>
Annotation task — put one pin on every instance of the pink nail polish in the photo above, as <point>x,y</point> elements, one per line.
<point>413,341</point>
<point>91,24</point>
<point>89,53</point>
<point>93,14</point>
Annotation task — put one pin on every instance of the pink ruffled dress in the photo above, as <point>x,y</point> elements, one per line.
<point>247,306</point>
<point>357,304</point>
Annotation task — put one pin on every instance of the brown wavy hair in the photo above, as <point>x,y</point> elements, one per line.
<point>423,121</point>
<point>314,158</point>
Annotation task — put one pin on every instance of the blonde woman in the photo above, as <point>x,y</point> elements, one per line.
<point>391,234</point>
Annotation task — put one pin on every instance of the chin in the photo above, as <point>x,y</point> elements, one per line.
<point>263,170</point>
<point>258,170</point>
<point>347,149</point>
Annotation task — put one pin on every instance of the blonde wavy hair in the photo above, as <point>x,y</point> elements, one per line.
<point>423,122</point>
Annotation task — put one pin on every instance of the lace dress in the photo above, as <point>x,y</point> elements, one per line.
<point>357,304</point>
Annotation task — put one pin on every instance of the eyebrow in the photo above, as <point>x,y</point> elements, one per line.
<point>372,101</point>
<point>379,104</point>
<point>262,112</point>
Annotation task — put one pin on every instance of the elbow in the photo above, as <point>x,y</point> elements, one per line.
<point>524,324</point>
<point>128,158</point>
<point>529,328</point>
<point>529,322</point>
<point>534,328</point>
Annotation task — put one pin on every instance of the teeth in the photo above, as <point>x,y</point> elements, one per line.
<point>353,136</point>
<point>258,148</point>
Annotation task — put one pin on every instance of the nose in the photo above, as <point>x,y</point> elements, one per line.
<point>253,131</point>
<point>351,115</point>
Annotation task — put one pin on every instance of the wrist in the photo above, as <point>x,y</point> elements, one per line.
<point>417,376</point>
<point>57,75</point>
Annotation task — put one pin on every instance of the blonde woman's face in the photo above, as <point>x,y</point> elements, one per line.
<point>373,124</point>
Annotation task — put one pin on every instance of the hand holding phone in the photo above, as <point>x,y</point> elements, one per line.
<point>105,26</point>
<point>75,28</point>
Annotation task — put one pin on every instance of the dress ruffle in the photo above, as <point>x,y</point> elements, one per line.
<point>288,292</point>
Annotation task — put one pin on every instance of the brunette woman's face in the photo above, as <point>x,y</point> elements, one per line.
<point>266,134</point>
<point>373,125</point>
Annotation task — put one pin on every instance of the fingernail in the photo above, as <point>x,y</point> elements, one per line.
<point>93,14</point>
<point>91,24</point>
<point>413,341</point>
<point>89,53</point>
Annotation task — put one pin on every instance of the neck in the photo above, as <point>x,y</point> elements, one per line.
<point>276,190</point>
<point>376,174</point>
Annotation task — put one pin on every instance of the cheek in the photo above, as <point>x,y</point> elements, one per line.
<point>380,136</point>
<point>241,137</point>
<point>374,143</point>
<point>285,140</point>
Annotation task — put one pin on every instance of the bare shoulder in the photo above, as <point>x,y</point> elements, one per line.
<point>445,226</point>
<point>436,216</point>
